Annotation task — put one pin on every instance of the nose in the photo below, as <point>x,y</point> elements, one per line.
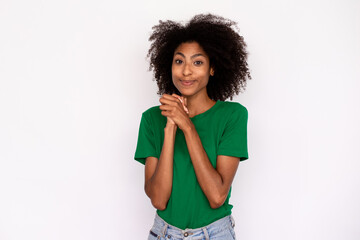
<point>187,70</point>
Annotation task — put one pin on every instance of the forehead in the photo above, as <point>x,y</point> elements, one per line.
<point>190,48</point>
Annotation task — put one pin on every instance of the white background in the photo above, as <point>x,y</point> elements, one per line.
<point>74,81</point>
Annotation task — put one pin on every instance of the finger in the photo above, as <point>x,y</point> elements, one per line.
<point>185,104</point>
<point>177,96</point>
<point>186,110</point>
<point>173,111</point>
<point>182,99</point>
<point>171,102</point>
<point>166,107</point>
<point>164,113</point>
<point>173,98</point>
<point>175,101</point>
<point>170,97</point>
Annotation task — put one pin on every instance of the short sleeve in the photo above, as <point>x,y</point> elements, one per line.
<point>145,144</point>
<point>233,141</point>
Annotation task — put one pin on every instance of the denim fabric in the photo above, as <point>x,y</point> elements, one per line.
<point>222,229</point>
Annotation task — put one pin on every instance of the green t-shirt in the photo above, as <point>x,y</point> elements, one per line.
<point>223,131</point>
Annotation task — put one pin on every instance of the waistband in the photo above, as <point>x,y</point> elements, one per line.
<point>218,225</point>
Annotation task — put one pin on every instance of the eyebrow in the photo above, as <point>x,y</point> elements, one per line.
<point>193,56</point>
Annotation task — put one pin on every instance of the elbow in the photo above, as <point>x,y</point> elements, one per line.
<point>159,202</point>
<point>217,201</point>
<point>159,205</point>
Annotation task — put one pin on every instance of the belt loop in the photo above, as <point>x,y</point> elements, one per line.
<point>206,233</point>
<point>232,221</point>
<point>164,229</point>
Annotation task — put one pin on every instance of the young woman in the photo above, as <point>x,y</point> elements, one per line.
<point>192,143</point>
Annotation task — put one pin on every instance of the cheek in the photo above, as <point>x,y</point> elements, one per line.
<point>175,71</point>
<point>174,75</point>
<point>205,74</point>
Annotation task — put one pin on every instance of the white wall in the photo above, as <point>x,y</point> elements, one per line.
<point>73,85</point>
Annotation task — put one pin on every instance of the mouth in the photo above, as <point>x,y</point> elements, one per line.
<point>187,82</point>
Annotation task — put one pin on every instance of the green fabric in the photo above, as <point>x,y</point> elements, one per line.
<point>223,131</point>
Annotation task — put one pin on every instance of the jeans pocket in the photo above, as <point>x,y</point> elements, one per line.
<point>153,235</point>
<point>232,231</point>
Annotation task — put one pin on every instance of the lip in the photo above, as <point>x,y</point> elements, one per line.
<point>187,83</point>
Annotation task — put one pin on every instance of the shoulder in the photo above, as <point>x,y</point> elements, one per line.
<point>234,108</point>
<point>152,113</point>
<point>152,110</point>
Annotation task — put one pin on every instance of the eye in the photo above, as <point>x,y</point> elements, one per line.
<point>198,62</point>
<point>178,61</point>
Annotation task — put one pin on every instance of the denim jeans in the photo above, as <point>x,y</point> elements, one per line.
<point>222,229</point>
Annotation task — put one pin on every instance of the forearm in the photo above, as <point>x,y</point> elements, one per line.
<point>208,177</point>
<point>159,186</point>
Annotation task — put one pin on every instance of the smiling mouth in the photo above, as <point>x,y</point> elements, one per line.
<point>187,83</point>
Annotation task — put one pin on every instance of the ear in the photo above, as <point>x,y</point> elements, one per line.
<point>212,71</point>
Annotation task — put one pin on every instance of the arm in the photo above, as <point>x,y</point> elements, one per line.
<point>159,173</point>
<point>215,183</point>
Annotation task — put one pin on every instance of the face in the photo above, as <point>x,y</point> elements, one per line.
<point>191,69</point>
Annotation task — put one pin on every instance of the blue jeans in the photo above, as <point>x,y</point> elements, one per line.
<point>222,229</point>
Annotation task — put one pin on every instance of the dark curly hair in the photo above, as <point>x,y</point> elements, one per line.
<point>219,39</point>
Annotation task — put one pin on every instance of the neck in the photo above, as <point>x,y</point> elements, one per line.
<point>199,104</point>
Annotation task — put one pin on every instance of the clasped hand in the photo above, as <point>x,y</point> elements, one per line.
<point>174,107</point>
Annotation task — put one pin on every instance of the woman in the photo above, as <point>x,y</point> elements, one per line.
<point>192,143</point>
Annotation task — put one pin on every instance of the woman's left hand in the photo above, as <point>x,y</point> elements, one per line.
<point>174,107</point>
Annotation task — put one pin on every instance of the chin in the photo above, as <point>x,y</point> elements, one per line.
<point>186,93</point>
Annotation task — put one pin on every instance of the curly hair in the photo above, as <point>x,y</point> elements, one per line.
<point>221,42</point>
